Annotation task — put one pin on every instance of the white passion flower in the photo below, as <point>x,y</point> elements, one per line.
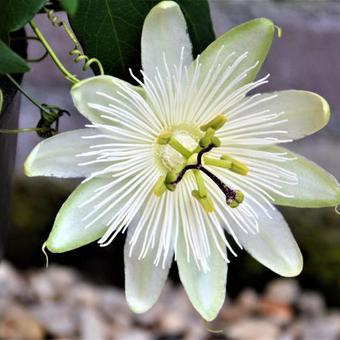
<point>183,158</point>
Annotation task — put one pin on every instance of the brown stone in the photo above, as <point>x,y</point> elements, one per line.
<point>16,323</point>
<point>282,291</point>
<point>254,329</point>
<point>278,312</point>
<point>92,324</point>
<point>57,318</point>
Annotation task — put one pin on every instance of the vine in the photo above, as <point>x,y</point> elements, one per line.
<point>76,51</point>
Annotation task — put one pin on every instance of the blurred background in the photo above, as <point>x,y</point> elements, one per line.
<point>81,296</point>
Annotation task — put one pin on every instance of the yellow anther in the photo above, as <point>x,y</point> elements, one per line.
<point>239,197</point>
<point>160,187</point>
<point>239,168</point>
<point>210,132</point>
<point>205,142</point>
<point>233,204</point>
<point>215,123</point>
<point>171,176</point>
<point>170,187</point>
<point>236,166</point>
<point>227,158</point>
<point>215,142</point>
<point>164,137</point>
<point>217,162</point>
<point>206,202</point>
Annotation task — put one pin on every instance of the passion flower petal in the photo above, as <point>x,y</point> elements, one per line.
<point>165,37</point>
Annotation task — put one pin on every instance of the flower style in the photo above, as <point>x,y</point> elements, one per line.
<point>184,157</point>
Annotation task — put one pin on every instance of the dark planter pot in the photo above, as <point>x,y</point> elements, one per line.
<point>8,120</point>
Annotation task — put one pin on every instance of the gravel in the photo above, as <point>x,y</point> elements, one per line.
<point>58,303</point>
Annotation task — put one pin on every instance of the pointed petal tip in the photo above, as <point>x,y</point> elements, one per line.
<point>138,306</point>
<point>267,25</point>
<point>290,265</point>
<point>252,38</point>
<point>54,243</point>
<point>209,314</point>
<point>210,310</point>
<point>265,21</point>
<point>166,5</point>
<point>320,102</point>
<point>61,242</point>
<point>325,108</point>
<point>205,290</point>
<point>53,247</point>
<point>293,268</point>
<point>261,22</point>
<point>144,280</point>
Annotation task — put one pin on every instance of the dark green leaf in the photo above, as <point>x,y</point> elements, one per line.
<point>69,6</point>
<point>11,62</point>
<point>110,30</point>
<point>14,14</point>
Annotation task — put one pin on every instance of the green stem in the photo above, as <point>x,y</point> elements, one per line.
<point>10,131</point>
<point>21,90</point>
<point>50,51</point>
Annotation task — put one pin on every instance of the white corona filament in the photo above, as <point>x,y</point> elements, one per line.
<point>124,152</point>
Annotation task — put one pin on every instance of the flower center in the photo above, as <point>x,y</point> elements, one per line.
<point>183,149</point>
<point>172,159</point>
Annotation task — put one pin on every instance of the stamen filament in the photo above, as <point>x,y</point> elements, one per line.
<point>160,187</point>
<point>202,190</point>
<point>233,197</point>
<point>167,138</point>
<point>194,162</point>
<point>206,202</point>
<point>179,147</point>
<point>226,190</point>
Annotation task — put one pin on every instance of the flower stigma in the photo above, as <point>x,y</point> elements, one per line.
<point>182,150</point>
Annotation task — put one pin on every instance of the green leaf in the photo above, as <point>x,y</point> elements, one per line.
<point>11,62</point>
<point>116,40</point>
<point>15,14</point>
<point>69,6</point>
<point>197,16</point>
